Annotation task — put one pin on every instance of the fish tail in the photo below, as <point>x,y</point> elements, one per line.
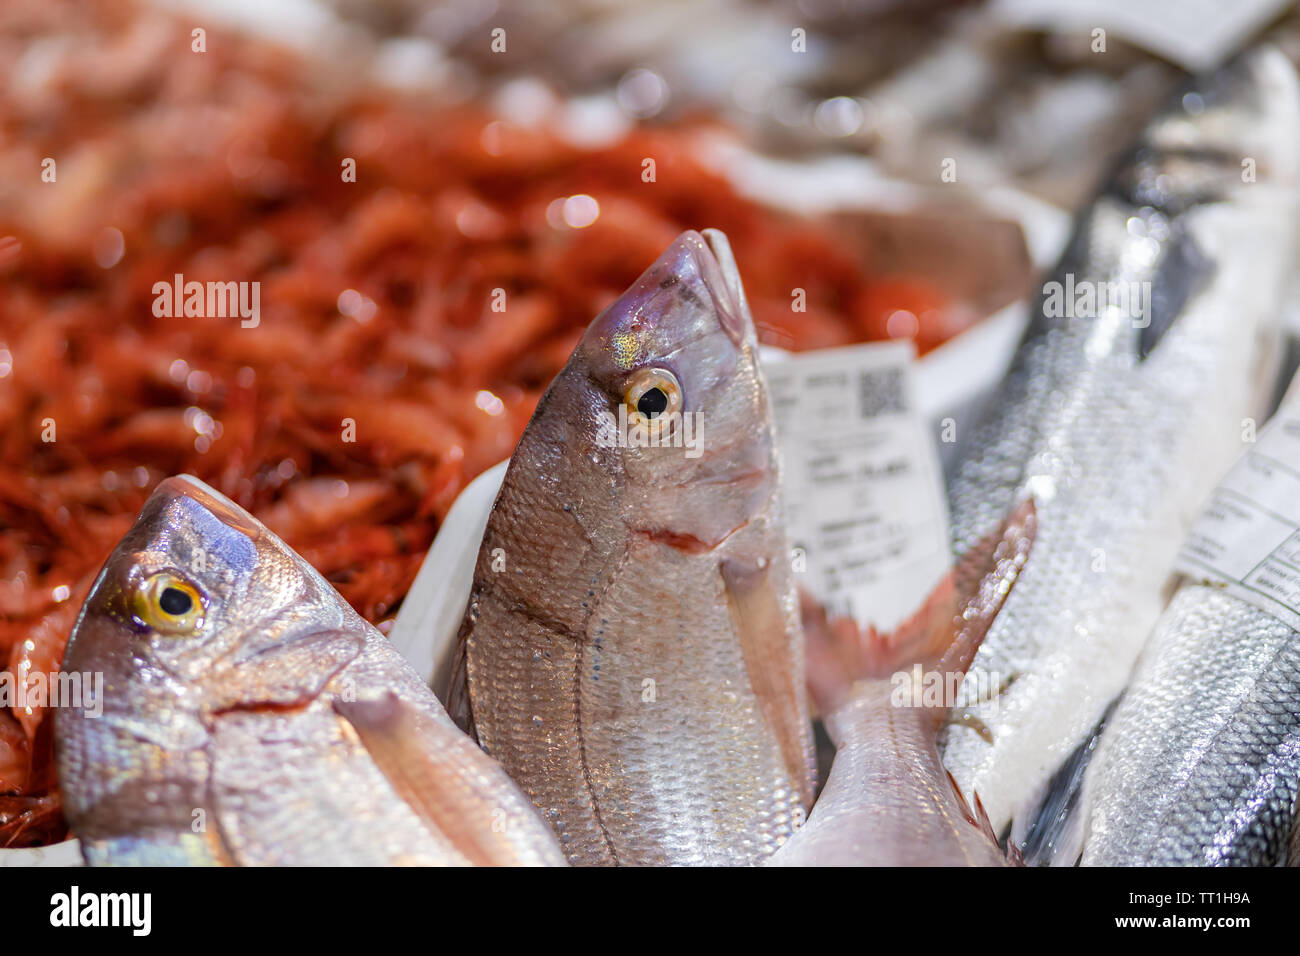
<point>943,634</point>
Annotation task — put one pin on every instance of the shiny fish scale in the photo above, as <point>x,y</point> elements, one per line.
<point>692,778</point>
<point>887,801</point>
<point>1117,450</point>
<point>717,741</point>
<point>1111,445</point>
<point>1201,762</point>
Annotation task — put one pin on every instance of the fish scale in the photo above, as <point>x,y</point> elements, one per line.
<point>1118,423</point>
<point>1201,764</point>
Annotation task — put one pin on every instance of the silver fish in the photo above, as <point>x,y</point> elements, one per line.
<point>1117,420</point>
<point>250,716</point>
<point>632,650</point>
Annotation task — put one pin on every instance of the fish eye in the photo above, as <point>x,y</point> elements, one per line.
<point>174,602</point>
<point>652,402</point>
<point>652,396</point>
<point>167,602</point>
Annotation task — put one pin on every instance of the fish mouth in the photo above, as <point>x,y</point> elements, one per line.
<point>213,501</point>
<point>734,313</point>
<point>1245,109</point>
<point>691,286</point>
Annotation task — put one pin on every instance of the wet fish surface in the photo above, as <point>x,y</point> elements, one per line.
<point>1201,763</point>
<point>632,651</point>
<point>1117,420</point>
<point>888,800</point>
<point>251,717</point>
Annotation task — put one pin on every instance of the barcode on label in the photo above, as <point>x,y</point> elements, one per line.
<point>880,390</point>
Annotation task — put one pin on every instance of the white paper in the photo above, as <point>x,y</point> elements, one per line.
<point>863,490</point>
<point>1248,537</point>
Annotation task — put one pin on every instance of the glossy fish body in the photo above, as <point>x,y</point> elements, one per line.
<point>631,651</point>
<point>888,800</point>
<point>1201,763</point>
<point>251,717</point>
<point>1117,421</point>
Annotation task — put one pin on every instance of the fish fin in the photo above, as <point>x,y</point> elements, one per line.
<point>288,673</point>
<point>944,633</point>
<point>1050,829</point>
<point>1014,856</point>
<point>418,756</point>
<point>1185,270</point>
<point>839,652</point>
<point>759,619</point>
<point>975,814</point>
<point>460,706</point>
<point>984,579</point>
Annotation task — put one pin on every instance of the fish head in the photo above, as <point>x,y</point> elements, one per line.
<point>1224,129</point>
<point>672,398</point>
<point>201,608</point>
<point>1224,153</point>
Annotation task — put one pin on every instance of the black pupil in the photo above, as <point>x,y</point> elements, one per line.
<point>652,402</point>
<point>174,601</point>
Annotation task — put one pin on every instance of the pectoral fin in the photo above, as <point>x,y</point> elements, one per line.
<point>459,705</point>
<point>436,770</point>
<point>759,620</point>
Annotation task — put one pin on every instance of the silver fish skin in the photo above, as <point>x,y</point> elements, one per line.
<point>1200,764</point>
<point>1118,424</point>
<point>632,651</point>
<point>251,717</point>
<point>888,800</point>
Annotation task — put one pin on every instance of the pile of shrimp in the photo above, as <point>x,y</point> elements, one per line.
<point>377,308</point>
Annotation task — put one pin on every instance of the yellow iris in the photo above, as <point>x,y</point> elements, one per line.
<point>653,397</point>
<point>167,602</point>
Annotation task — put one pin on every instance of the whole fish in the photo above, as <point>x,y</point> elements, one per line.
<point>632,651</point>
<point>888,800</point>
<point>1123,404</point>
<point>1200,764</point>
<point>250,716</point>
